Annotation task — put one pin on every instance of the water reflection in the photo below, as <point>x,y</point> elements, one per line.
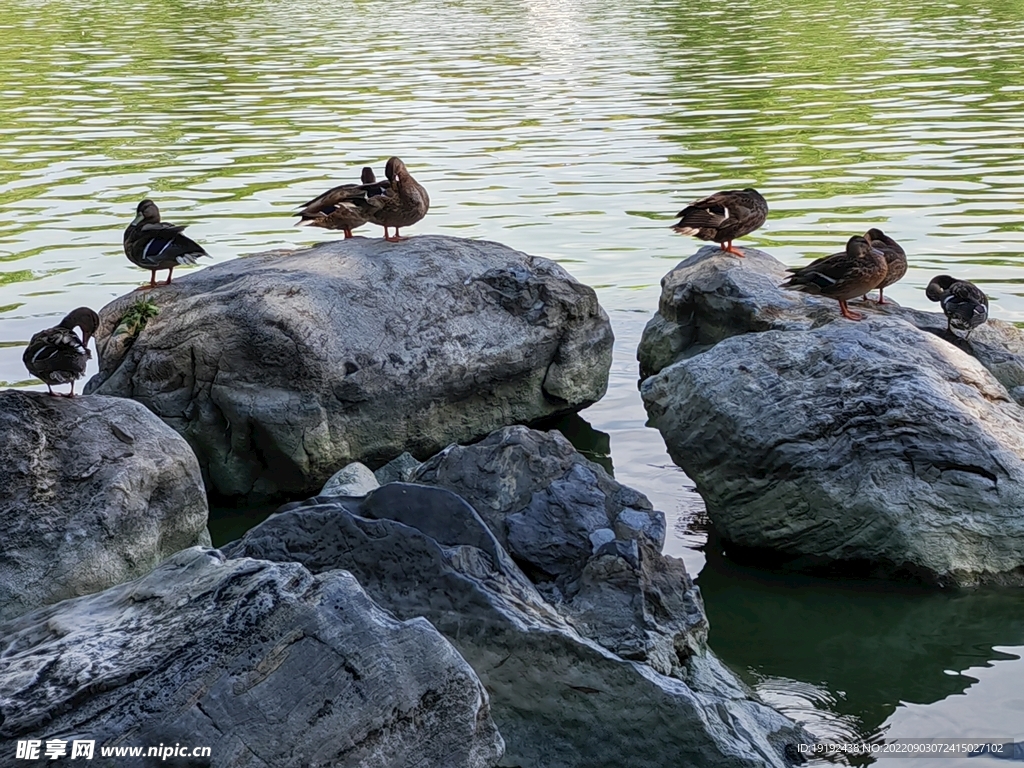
<point>851,657</point>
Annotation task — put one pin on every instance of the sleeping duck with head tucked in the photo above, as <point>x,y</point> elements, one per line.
<point>964,303</point>
<point>339,207</point>
<point>723,217</point>
<point>842,276</point>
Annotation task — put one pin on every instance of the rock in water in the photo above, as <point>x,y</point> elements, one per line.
<point>559,699</point>
<point>279,368</point>
<point>821,441</point>
<point>96,491</point>
<point>265,663</point>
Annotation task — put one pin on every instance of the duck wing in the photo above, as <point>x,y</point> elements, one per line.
<point>161,246</point>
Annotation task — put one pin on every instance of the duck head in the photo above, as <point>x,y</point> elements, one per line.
<point>368,176</point>
<point>85,319</point>
<point>938,286</point>
<point>861,247</point>
<point>146,211</point>
<point>395,169</point>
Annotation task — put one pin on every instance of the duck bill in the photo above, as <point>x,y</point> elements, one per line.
<point>877,252</point>
<point>137,220</point>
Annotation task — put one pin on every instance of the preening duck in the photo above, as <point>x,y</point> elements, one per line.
<point>58,355</point>
<point>842,276</point>
<point>724,217</point>
<point>964,303</point>
<point>155,245</point>
<point>400,203</point>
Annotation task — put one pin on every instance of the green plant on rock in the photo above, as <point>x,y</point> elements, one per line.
<point>135,318</point>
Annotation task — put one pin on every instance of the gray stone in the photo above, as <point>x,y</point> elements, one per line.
<point>354,480</point>
<point>399,470</point>
<point>266,663</point>
<point>825,441</point>
<point>356,350</point>
<point>637,523</point>
<point>559,699</point>
<point>96,491</point>
<point>554,510</point>
<point>600,537</point>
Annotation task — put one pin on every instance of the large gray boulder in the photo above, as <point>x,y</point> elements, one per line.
<point>282,367</point>
<point>559,699</point>
<point>96,491</point>
<point>591,545</point>
<point>270,666</point>
<point>882,443</point>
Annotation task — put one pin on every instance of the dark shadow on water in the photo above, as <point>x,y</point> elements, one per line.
<point>229,523</point>
<point>592,443</point>
<point>865,646</point>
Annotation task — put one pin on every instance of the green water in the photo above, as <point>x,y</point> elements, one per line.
<point>571,130</point>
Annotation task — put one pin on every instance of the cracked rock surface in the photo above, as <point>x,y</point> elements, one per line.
<point>281,368</point>
<point>266,663</point>
<point>94,491</point>
<point>560,699</point>
<point>883,444</point>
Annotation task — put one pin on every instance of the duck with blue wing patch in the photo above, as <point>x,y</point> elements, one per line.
<point>964,303</point>
<point>157,245</point>
<point>58,355</point>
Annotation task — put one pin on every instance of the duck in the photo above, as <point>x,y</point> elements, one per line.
<point>895,259</point>
<point>58,355</point>
<point>400,203</point>
<point>842,276</point>
<point>156,245</point>
<point>724,217</point>
<point>964,303</point>
<point>338,208</point>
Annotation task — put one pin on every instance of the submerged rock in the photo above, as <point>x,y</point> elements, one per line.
<point>266,663</point>
<point>883,444</point>
<point>96,491</point>
<point>559,699</point>
<point>279,368</point>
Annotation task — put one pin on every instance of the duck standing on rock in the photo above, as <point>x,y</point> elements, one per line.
<point>965,304</point>
<point>339,208</point>
<point>724,217</point>
<point>400,203</point>
<point>895,259</point>
<point>842,276</point>
<point>57,355</point>
<point>155,245</point>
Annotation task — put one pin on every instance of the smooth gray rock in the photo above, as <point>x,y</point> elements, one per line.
<point>354,480</point>
<point>280,367</point>
<point>264,662</point>
<point>555,511</point>
<point>399,470</point>
<point>559,699</point>
<point>96,491</point>
<point>824,441</point>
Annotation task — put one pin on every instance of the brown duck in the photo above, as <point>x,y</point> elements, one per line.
<point>842,276</point>
<point>58,355</point>
<point>724,217</point>
<point>338,208</point>
<point>895,259</point>
<point>400,203</point>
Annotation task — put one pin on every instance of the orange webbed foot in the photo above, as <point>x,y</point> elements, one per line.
<point>848,313</point>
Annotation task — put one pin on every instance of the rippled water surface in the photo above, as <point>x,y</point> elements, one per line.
<point>571,130</point>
